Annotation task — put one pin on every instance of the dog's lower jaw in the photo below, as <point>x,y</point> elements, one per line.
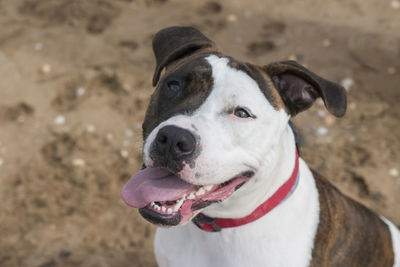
<point>165,220</point>
<point>289,229</point>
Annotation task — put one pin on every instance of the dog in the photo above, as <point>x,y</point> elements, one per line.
<point>222,175</point>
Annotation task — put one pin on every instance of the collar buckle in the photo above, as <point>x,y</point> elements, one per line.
<point>206,223</point>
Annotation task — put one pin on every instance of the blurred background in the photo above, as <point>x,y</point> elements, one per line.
<point>75,79</point>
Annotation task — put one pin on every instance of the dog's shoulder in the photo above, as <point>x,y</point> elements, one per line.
<point>347,227</point>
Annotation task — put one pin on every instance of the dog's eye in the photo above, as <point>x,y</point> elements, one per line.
<point>241,113</point>
<point>174,86</point>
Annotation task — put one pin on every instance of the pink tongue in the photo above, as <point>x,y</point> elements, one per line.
<point>153,184</point>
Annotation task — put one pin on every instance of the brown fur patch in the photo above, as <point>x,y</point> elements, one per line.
<point>172,43</point>
<point>348,233</point>
<point>277,102</point>
<point>194,75</point>
<point>177,64</point>
<point>262,79</point>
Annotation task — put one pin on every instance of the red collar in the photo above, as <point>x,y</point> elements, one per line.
<point>210,224</point>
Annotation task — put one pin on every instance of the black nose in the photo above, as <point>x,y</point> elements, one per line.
<point>175,142</point>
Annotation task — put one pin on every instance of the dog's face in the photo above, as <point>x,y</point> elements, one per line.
<point>212,123</point>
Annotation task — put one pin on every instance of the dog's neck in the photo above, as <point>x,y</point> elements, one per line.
<point>275,169</point>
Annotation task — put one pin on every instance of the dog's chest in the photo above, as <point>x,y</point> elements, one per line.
<point>287,230</point>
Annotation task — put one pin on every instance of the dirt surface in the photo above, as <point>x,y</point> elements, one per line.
<point>76,78</point>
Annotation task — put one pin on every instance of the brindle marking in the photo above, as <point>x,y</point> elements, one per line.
<point>348,234</point>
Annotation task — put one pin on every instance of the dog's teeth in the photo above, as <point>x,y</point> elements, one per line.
<point>152,204</point>
<point>200,191</point>
<point>191,196</point>
<point>163,209</point>
<point>169,210</point>
<point>157,207</point>
<point>176,208</point>
<point>178,205</point>
<point>208,187</point>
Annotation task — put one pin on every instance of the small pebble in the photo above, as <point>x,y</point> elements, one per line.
<point>80,91</point>
<point>232,18</point>
<point>352,105</point>
<point>391,70</point>
<point>45,69</point>
<point>21,119</point>
<point>110,136</point>
<point>38,46</point>
<point>347,83</point>
<point>1,162</point>
<point>59,120</point>
<point>352,138</point>
<point>320,102</point>
<point>321,113</point>
<point>127,87</point>
<point>326,43</point>
<point>395,4</point>
<point>78,162</point>
<point>125,143</point>
<point>128,132</point>
<point>322,131</point>
<point>90,128</point>
<point>393,172</point>
<point>292,57</point>
<point>124,153</point>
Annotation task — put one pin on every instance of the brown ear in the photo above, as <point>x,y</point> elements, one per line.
<point>300,87</point>
<point>172,43</point>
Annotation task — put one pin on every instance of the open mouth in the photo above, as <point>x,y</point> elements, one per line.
<point>165,199</point>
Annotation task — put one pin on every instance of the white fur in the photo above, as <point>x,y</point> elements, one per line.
<point>284,237</point>
<point>395,233</point>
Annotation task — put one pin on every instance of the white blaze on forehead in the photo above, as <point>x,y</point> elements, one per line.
<point>235,85</point>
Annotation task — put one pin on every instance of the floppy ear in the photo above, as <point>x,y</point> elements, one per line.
<point>172,43</point>
<point>300,87</point>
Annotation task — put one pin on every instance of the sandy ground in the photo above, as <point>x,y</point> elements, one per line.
<point>76,78</point>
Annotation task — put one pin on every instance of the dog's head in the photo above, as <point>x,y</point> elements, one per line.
<point>212,122</point>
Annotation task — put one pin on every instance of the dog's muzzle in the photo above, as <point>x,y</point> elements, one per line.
<point>160,193</point>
